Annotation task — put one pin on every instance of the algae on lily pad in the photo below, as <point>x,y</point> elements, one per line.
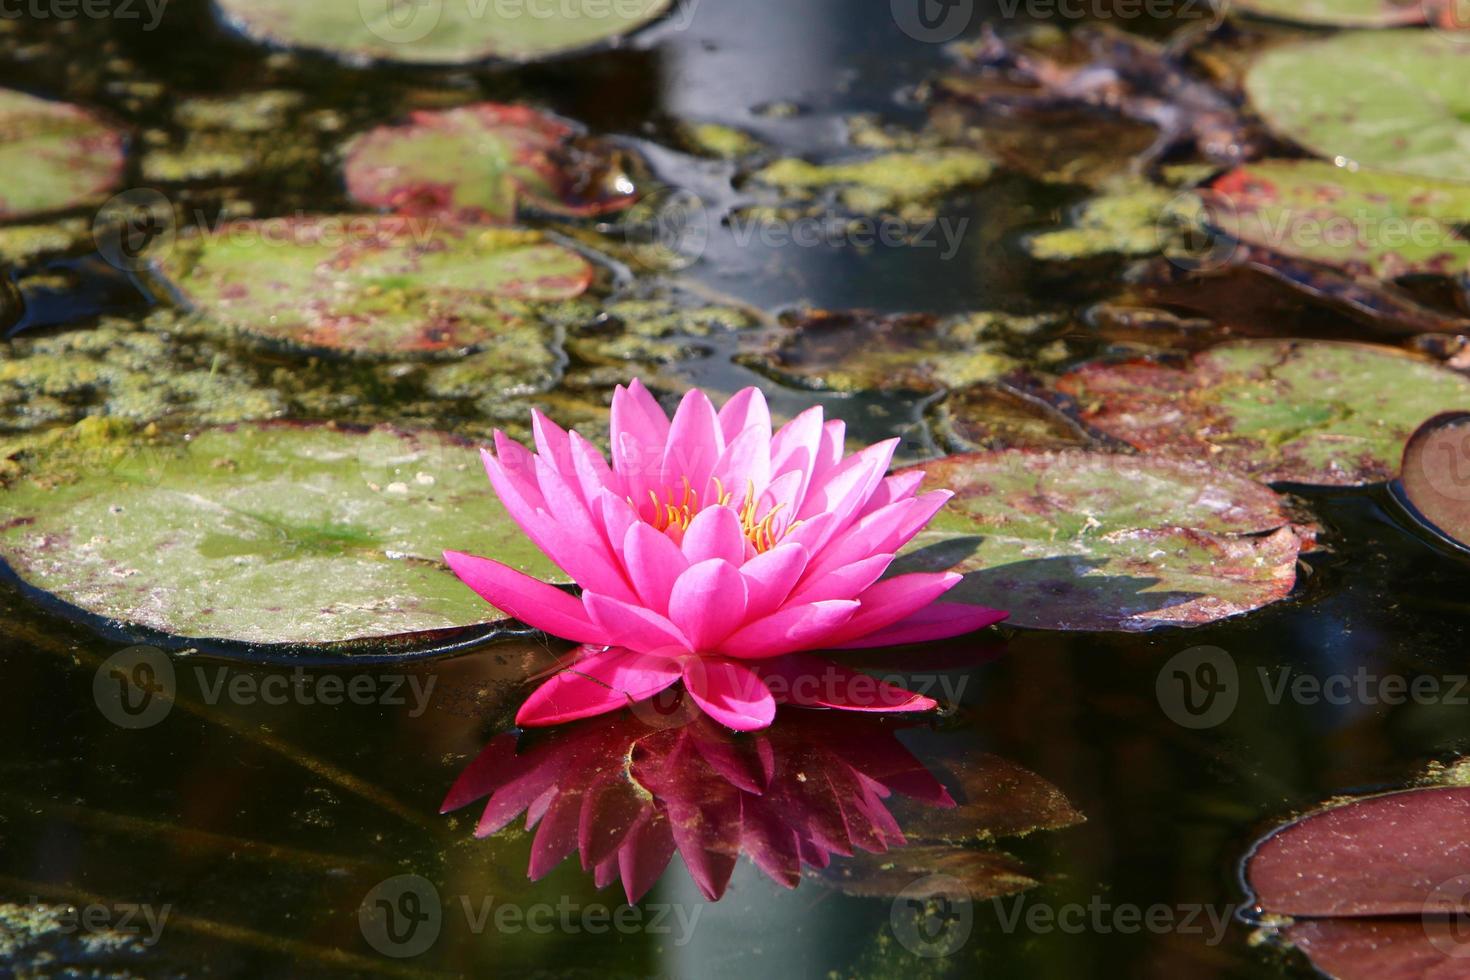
<point>55,156</point>
<point>864,351</point>
<point>1099,541</point>
<point>1125,218</point>
<point>1391,100</point>
<point>1315,412</point>
<point>442,32</point>
<point>883,182</point>
<point>1384,225</point>
<point>484,162</point>
<point>268,533</point>
<point>371,285</point>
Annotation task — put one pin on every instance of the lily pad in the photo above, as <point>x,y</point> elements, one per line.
<point>267,534</point>
<point>482,162</point>
<point>1435,477</point>
<point>1366,223</point>
<point>883,182</point>
<point>863,351</point>
<point>984,416</point>
<point>1337,13</point>
<point>1314,412</point>
<point>1409,116</point>
<point>445,32</point>
<point>1098,541</point>
<point>994,797</point>
<point>983,873</point>
<point>55,156</point>
<point>370,285</point>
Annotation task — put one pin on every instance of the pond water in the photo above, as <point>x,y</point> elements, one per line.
<point>263,827</point>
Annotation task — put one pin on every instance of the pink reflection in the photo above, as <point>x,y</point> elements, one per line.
<point>625,793</point>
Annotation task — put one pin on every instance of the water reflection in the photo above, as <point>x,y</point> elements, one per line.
<point>625,792</point>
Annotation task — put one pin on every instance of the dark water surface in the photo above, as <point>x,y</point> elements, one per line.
<point>263,827</point>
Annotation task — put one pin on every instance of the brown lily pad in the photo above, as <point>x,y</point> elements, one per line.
<point>994,798</point>
<point>1315,412</point>
<point>375,286</point>
<point>986,416</point>
<point>1101,541</point>
<point>1435,477</point>
<point>486,162</point>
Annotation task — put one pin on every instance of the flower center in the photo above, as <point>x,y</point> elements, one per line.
<point>761,530</point>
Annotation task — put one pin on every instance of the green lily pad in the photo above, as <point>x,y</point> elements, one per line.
<point>480,162</point>
<point>1315,412</point>
<point>443,32</point>
<point>1411,115</point>
<point>864,351</point>
<point>1098,541</point>
<point>1337,13</point>
<point>1367,223</point>
<point>1435,477</point>
<point>55,156</point>
<point>370,285</point>
<point>268,534</point>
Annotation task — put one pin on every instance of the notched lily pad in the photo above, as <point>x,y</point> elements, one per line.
<point>485,162</point>
<point>1411,116</point>
<point>297,535</point>
<point>55,156</point>
<point>1363,222</point>
<point>371,286</point>
<point>1098,541</point>
<point>1435,478</point>
<point>445,32</point>
<point>1315,412</point>
<point>863,351</point>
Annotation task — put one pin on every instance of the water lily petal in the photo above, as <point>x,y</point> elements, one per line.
<point>936,621</point>
<point>527,599</point>
<point>654,564</point>
<point>600,682</point>
<point>811,681</point>
<point>746,408</point>
<point>892,600</point>
<point>708,602</point>
<point>715,533</point>
<point>633,626</point>
<point>793,627</point>
<point>695,443</point>
<point>730,693</point>
<point>770,576</point>
<point>847,582</point>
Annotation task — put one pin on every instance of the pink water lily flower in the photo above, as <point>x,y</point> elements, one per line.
<point>714,551</point>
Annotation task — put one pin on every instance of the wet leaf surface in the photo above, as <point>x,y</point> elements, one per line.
<point>1099,541</point>
<point>267,534</point>
<point>441,33</point>
<point>1411,120</point>
<point>372,286</point>
<point>982,417</point>
<point>1435,477</point>
<point>54,156</point>
<point>1365,223</point>
<point>486,162</point>
<point>1317,412</point>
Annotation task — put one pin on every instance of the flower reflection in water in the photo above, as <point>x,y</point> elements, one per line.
<point>625,794</point>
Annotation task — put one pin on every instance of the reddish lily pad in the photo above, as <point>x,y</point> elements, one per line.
<point>1314,412</point>
<point>1366,223</point>
<point>55,156</point>
<point>482,162</point>
<point>441,32</point>
<point>1411,118</point>
<point>372,286</point>
<point>1099,541</point>
<point>268,534</point>
<point>1372,887</point>
<point>1435,478</point>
